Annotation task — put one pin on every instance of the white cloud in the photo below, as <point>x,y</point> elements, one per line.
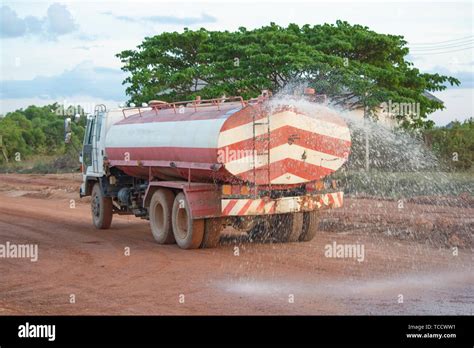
<point>12,25</point>
<point>84,79</point>
<point>57,21</point>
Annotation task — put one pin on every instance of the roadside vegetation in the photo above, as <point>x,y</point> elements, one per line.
<point>32,140</point>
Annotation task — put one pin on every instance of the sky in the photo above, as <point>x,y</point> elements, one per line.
<point>64,51</point>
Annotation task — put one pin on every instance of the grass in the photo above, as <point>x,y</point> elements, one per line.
<point>42,165</point>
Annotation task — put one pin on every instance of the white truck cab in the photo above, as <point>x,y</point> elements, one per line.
<point>93,150</point>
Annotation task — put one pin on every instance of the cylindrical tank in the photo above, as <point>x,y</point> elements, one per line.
<point>231,143</point>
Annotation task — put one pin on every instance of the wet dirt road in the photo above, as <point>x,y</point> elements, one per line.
<point>395,276</point>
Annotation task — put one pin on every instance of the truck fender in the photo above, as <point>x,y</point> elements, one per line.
<point>88,185</point>
<point>204,199</point>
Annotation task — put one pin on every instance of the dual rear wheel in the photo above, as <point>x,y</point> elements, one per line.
<point>284,228</point>
<point>171,222</point>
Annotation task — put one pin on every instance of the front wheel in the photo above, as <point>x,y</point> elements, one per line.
<point>101,208</point>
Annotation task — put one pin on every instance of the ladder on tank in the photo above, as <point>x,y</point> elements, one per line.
<point>261,137</point>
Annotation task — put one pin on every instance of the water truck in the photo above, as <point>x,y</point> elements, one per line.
<point>194,168</point>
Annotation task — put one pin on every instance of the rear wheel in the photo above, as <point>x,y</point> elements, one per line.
<point>188,232</point>
<point>101,208</point>
<point>288,227</point>
<point>262,230</point>
<point>161,206</point>
<point>212,232</point>
<point>310,226</point>
<point>295,228</point>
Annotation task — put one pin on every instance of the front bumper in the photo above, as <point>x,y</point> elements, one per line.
<point>263,206</point>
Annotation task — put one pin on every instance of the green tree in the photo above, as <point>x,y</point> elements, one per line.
<point>12,140</point>
<point>454,143</point>
<point>38,131</point>
<point>351,64</point>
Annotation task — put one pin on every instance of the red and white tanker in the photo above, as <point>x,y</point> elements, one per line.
<point>193,168</point>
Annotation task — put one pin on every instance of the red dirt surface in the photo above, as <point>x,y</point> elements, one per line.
<point>408,252</point>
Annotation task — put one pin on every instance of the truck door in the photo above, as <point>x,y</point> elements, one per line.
<point>87,146</point>
<point>97,148</point>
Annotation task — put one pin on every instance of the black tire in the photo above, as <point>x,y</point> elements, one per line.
<point>101,209</point>
<point>287,227</point>
<point>295,228</point>
<point>310,226</point>
<point>161,208</point>
<point>212,232</point>
<point>188,232</point>
<point>262,231</point>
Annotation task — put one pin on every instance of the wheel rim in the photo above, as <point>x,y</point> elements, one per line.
<point>182,223</point>
<point>159,216</point>
<point>96,206</point>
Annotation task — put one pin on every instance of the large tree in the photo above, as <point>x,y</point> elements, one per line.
<point>354,66</point>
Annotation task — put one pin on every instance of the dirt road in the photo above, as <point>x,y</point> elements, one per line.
<point>395,276</point>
